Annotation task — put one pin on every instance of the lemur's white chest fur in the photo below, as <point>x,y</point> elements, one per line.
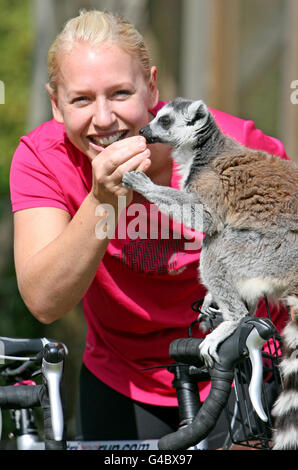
<point>184,159</point>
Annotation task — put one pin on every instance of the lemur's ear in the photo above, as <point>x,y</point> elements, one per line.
<point>197,110</point>
<point>196,107</point>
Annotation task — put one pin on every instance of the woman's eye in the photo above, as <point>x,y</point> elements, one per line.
<point>79,99</point>
<point>122,93</point>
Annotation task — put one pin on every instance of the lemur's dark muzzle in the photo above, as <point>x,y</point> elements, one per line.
<point>147,133</point>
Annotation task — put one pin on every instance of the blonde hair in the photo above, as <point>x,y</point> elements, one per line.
<point>96,27</point>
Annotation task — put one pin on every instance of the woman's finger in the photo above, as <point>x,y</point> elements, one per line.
<point>119,153</point>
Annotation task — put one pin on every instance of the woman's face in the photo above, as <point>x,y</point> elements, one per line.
<point>102,96</point>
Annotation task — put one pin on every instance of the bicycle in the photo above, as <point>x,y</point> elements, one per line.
<point>196,419</point>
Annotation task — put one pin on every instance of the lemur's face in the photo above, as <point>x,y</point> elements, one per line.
<point>177,124</point>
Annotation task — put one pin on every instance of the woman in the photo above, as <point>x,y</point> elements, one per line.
<point>66,175</point>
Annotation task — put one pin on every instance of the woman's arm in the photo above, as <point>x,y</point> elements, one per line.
<point>57,257</point>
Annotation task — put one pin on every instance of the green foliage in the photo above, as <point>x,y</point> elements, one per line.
<point>16,37</point>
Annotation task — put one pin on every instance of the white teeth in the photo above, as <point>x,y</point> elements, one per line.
<point>105,141</point>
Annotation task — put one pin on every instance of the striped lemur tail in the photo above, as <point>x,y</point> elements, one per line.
<point>285,410</point>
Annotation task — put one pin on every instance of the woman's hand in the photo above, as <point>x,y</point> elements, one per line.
<point>109,166</point>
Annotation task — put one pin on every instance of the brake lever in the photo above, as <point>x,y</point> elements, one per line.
<point>52,369</point>
<point>259,335</point>
<point>248,341</point>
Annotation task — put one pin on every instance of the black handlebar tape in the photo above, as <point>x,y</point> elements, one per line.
<point>18,346</point>
<point>187,350</point>
<point>207,416</point>
<point>187,393</point>
<point>30,396</point>
<point>20,396</point>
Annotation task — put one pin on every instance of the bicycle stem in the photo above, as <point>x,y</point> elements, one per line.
<point>52,369</point>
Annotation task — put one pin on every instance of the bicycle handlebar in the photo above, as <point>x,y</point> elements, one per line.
<point>19,346</point>
<point>22,396</point>
<point>246,341</point>
<point>48,396</point>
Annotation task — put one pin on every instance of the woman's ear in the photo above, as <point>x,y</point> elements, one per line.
<point>54,103</point>
<point>153,90</point>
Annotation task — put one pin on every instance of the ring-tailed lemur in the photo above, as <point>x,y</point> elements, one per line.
<point>246,202</point>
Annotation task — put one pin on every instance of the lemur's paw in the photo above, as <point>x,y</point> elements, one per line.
<point>209,347</point>
<point>210,315</point>
<point>208,350</point>
<point>136,180</point>
<point>205,322</point>
<point>209,319</point>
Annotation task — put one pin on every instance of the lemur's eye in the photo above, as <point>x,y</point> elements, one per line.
<point>165,121</point>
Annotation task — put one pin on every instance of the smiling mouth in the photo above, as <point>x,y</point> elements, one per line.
<point>105,141</point>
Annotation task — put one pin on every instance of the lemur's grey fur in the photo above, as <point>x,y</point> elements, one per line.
<point>246,202</point>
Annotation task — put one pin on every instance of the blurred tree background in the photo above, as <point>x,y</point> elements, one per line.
<point>239,56</point>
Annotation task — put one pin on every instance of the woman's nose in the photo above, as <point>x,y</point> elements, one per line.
<point>103,116</point>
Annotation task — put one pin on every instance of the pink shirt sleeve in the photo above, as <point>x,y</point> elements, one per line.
<point>255,138</point>
<point>32,183</point>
